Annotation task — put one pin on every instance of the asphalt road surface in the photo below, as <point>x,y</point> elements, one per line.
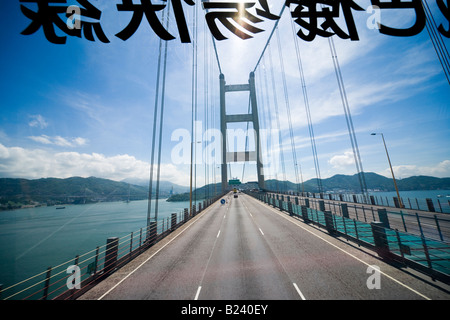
<point>246,250</point>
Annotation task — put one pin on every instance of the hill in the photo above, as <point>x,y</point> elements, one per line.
<point>350,183</point>
<point>17,193</point>
<point>340,183</point>
<point>204,192</point>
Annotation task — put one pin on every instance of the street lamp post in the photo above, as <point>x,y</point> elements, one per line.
<point>392,171</point>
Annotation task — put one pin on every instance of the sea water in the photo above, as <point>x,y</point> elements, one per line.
<point>416,199</point>
<point>33,239</point>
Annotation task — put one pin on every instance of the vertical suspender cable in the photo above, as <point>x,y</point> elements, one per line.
<point>307,109</point>
<point>246,140</point>
<point>348,118</point>
<point>194,103</point>
<point>206,105</point>
<point>277,116</point>
<point>263,122</point>
<point>270,151</point>
<point>436,39</point>
<point>163,92</point>
<point>288,111</point>
<point>155,116</point>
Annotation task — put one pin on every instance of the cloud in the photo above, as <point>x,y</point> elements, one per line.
<point>59,141</point>
<point>19,162</point>
<point>441,170</point>
<point>38,121</point>
<point>342,161</point>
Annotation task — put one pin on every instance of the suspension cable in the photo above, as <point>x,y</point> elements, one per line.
<point>246,138</point>
<point>155,117</point>
<point>270,38</point>
<point>206,103</point>
<point>297,167</point>
<point>163,95</point>
<point>214,45</point>
<point>277,116</point>
<point>348,118</point>
<point>266,88</point>
<point>193,105</point>
<point>436,39</point>
<point>307,109</point>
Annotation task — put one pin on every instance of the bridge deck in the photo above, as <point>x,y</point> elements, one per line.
<point>246,250</point>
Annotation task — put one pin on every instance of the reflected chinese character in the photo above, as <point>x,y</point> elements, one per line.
<point>48,17</point>
<point>415,5</point>
<point>147,8</point>
<point>308,12</point>
<point>228,12</point>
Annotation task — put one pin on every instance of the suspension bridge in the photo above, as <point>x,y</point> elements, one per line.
<point>258,244</point>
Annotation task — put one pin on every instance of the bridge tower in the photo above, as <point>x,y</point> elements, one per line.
<point>252,117</point>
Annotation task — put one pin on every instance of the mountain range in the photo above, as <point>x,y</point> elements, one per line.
<point>350,183</point>
<point>337,183</point>
<point>16,193</point>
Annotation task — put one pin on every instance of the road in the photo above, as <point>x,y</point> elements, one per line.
<point>246,250</point>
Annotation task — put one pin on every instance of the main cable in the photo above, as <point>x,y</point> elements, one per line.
<point>436,40</point>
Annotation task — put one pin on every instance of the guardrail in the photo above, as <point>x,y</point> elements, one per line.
<point>73,278</point>
<point>427,204</point>
<point>429,256</point>
<point>428,224</point>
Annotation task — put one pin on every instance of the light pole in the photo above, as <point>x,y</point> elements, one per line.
<point>392,171</point>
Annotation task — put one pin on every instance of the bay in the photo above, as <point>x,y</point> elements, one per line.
<point>33,239</point>
<point>416,199</point>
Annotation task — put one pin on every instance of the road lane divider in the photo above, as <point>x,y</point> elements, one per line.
<point>198,292</point>
<point>298,291</point>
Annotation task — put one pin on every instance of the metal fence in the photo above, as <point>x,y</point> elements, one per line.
<point>417,251</point>
<point>440,205</point>
<point>72,278</point>
<point>427,224</point>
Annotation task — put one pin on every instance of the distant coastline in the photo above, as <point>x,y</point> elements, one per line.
<point>22,193</point>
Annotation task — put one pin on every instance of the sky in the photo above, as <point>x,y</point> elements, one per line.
<point>86,108</point>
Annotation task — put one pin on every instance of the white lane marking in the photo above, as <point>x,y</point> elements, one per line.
<point>124,278</point>
<point>351,255</point>
<point>198,292</point>
<point>218,234</point>
<point>298,291</point>
<point>261,231</point>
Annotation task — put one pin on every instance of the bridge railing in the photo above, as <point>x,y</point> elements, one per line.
<point>417,251</point>
<point>73,278</point>
<point>439,205</point>
<point>428,224</point>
